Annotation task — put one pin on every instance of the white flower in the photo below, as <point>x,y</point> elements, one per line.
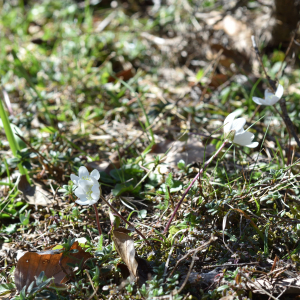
<point>88,194</point>
<point>235,128</point>
<point>85,175</point>
<point>87,186</point>
<point>270,98</point>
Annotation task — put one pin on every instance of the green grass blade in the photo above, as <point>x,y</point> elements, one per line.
<point>9,134</point>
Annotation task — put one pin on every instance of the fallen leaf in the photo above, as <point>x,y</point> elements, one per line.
<point>138,267</point>
<point>124,75</point>
<point>99,165</point>
<point>105,166</point>
<point>189,151</point>
<point>238,31</point>
<point>218,79</point>
<point>34,194</point>
<point>31,264</point>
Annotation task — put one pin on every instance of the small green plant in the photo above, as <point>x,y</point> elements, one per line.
<point>39,289</point>
<point>156,287</point>
<point>182,166</point>
<point>24,218</point>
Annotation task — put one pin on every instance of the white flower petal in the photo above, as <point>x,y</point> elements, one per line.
<point>88,187</point>
<point>95,173</point>
<point>95,192</point>
<point>79,192</point>
<point>81,240</point>
<point>83,201</point>
<point>241,137</point>
<point>85,184</point>
<point>272,100</point>
<point>95,195</point>
<point>279,91</point>
<point>96,189</point>
<point>83,198</point>
<point>83,172</point>
<point>94,181</point>
<point>86,202</point>
<point>252,145</point>
<point>244,139</point>
<point>238,124</point>
<point>92,202</point>
<point>258,101</point>
<point>268,93</point>
<point>228,122</point>
<point>240,131</point>
<point>74,178</point>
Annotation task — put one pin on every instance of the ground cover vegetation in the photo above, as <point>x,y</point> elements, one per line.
<point>149,150</point>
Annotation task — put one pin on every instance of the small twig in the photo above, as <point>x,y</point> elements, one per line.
<point>91,281</point>
<point>231,265</point>
<point>167,262</point>
<point>274,264</point>
<point>255,284</point>
<point>143,179</point>
<point>283,291</point>
<point>223,230</point>
<point>116,212</point>
<point>278,270</point>
<point>54,197</point>
<point>186,296</point>
<point>106,22</point>
<point>36,151</point>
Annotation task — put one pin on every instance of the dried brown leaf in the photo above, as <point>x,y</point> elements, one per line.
<point>34,194</point>
<point>125,247</point>
<point>138,267</point>
<point>31,264</point>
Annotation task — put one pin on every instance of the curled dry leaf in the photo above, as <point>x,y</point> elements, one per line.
<point>52,262</point>
<point>138,267</point>
<point>34,194</point>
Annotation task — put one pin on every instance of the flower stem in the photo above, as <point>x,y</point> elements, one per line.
<point>191,184</point>
<point>97,219</point>
<point>116,212</point>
